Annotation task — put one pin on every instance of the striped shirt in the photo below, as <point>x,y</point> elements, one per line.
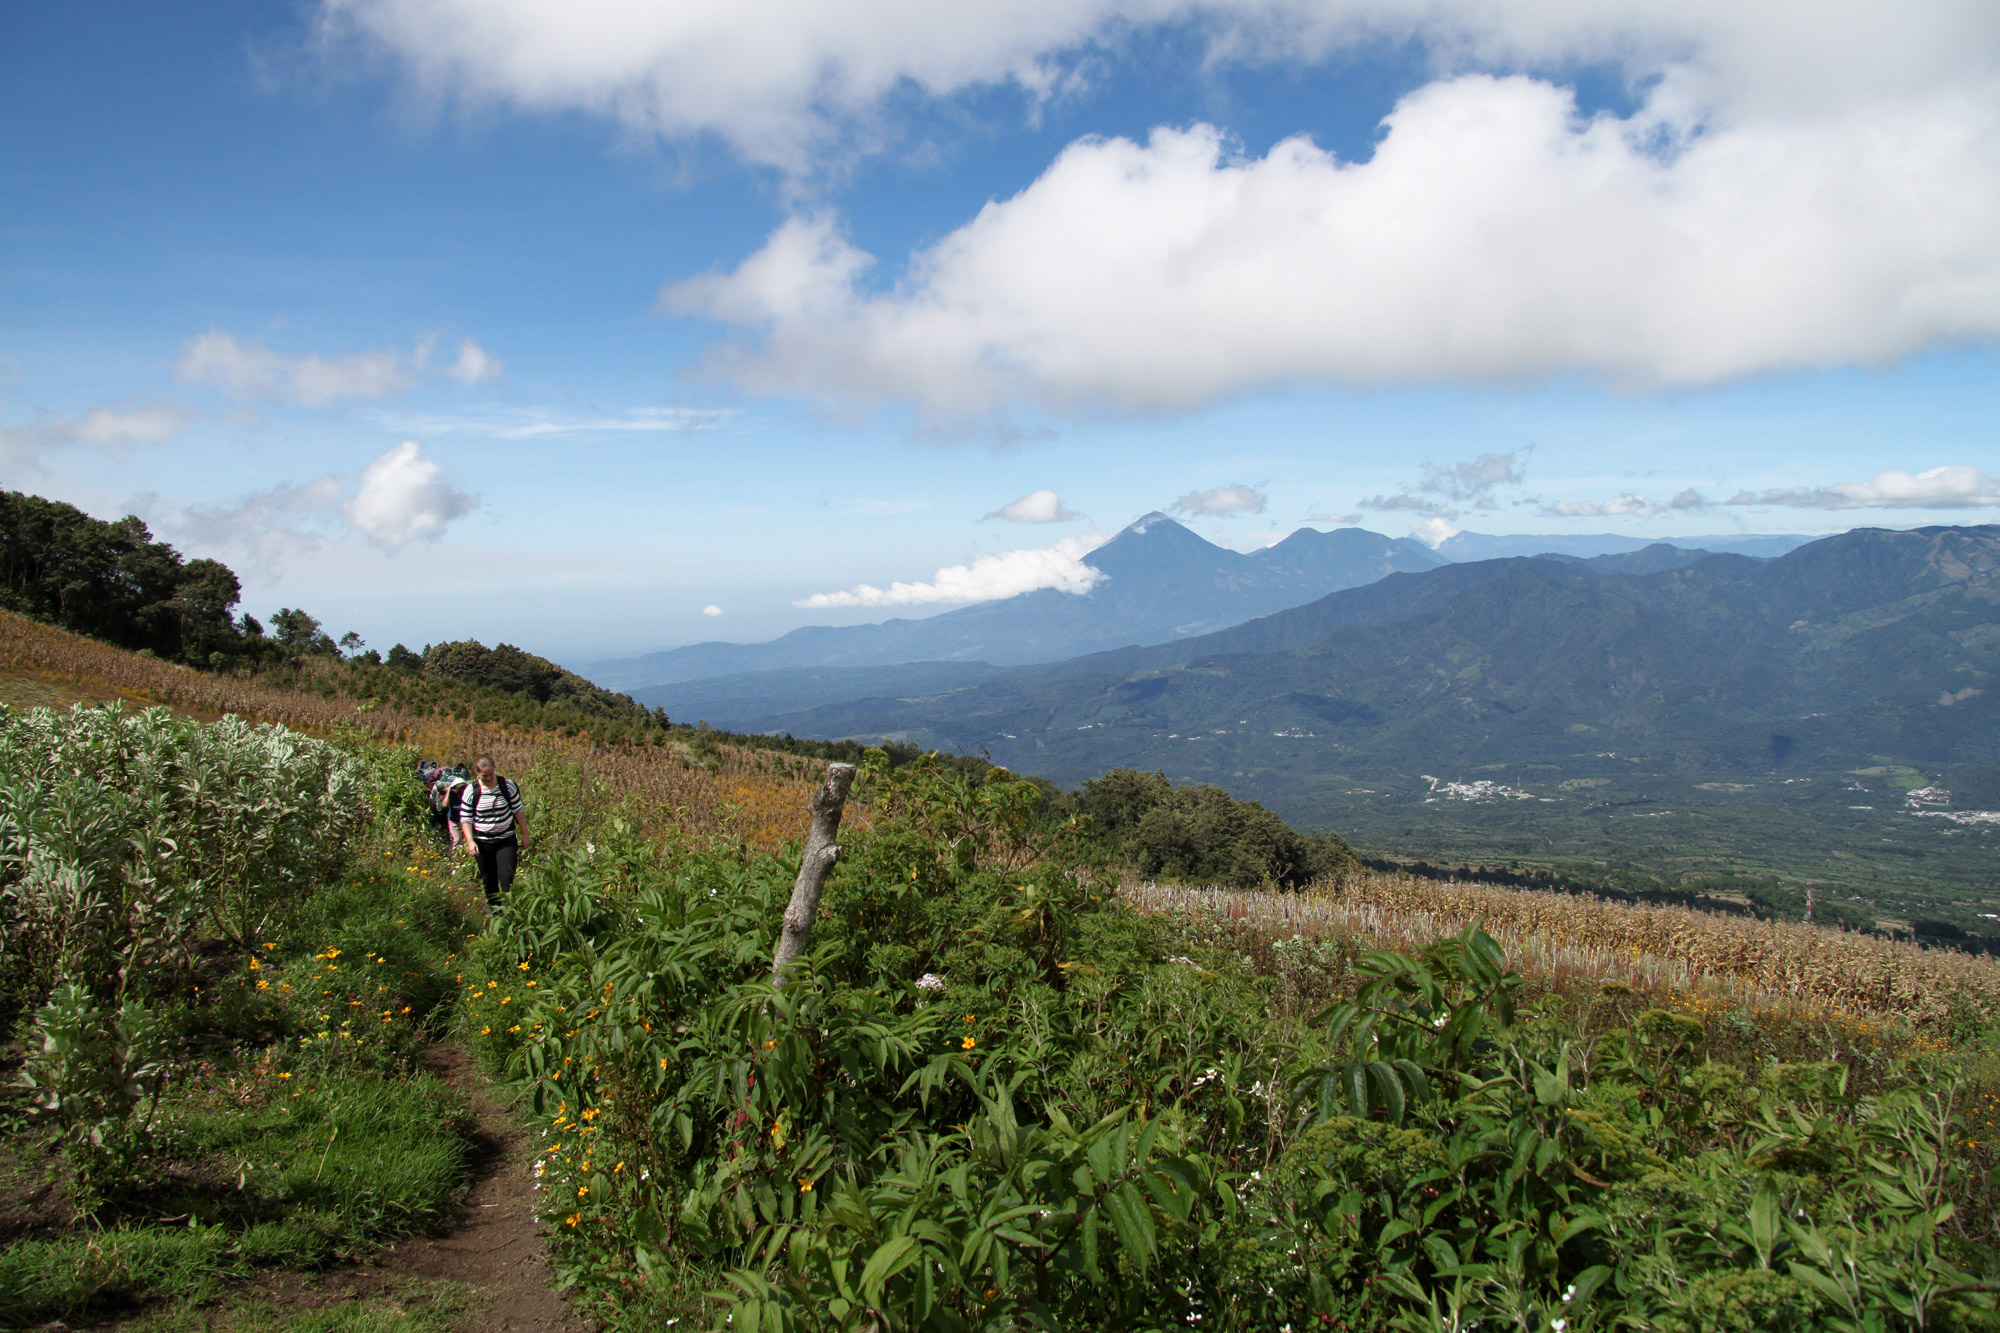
<point>491,813</point>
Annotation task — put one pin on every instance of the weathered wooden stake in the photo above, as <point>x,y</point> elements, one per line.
<point>820,854</point>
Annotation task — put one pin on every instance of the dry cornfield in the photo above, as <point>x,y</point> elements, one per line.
<point>759,794</point>
<point>1764,966</point>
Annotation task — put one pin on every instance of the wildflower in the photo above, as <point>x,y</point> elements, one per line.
<point>520,967</point>
<point>284,1075</point>
<point>573,1218</point>
<point>263,984</point>
<point>582,1190</point>
<point>805,1186</point>
<point>970,1017</point>
<point>254,964</point>
<point>967,1044</point>
<point>484,1031</point>
<point>930,981</point>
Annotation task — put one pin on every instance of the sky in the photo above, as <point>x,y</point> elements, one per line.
<point>602,326</point>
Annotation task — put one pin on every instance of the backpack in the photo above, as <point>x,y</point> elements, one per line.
<point>442,788</point>
<point>469,803</point>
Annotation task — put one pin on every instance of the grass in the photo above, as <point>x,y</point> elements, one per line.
<point>414,1306</point>
<point>285,1138</point>
<point>1773,968</point>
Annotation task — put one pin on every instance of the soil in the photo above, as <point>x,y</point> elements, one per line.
<point>497,1248</point>
<point>495,1256</point>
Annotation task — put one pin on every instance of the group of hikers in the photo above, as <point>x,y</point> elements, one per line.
<point>481,812</point>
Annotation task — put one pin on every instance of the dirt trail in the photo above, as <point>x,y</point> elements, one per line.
<point>498,1247</point>
<point>496,1250</point>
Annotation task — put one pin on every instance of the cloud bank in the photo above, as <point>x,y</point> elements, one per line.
<point>986,579</point>
<point>779,80</point>
<point>1494,236</point>
<point>1938,488</point>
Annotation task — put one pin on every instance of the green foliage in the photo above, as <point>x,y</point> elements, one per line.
<point>112,581</point>
<point>993,1097</point>
<point>124,840</point>
<point>508,669</point>
<point>1201,834</point>
<point>346,1160</point>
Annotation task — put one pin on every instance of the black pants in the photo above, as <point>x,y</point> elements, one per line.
<point>496,866</point>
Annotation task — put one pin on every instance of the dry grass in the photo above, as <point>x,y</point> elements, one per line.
<point>1670,953</point>
<point>760,795</point>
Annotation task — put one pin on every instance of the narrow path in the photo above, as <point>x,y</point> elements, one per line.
<point>496,1250</point>
<point>498,1247</point>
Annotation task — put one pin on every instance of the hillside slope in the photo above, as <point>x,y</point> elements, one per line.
<point>1751,689</point>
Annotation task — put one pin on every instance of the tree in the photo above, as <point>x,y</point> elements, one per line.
<point>299,631</point>
<point>351,644</point>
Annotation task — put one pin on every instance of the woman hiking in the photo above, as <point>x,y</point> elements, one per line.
<point>495,826</point>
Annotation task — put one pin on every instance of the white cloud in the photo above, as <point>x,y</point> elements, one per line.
<point>113,429</point>
<point>1035,507</point>
<point>1433,532</point>
<point>711,610</point>
<point>779,79</point>
<point>1235,499</point>
<point>405,497</point>
<point>987,578</point>
<point>1938,488</point>
<point>1495,235</point>
<point>1625,506</point>
<point>1478,477</point>
<point>252,370</point>
<point>399,498</point>
<point>1415,504</point>
<point>475,365</point>
<point>1344,520</point>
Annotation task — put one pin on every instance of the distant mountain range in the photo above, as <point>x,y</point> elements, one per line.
<point>1551,702</point>
<point>1161,582</point>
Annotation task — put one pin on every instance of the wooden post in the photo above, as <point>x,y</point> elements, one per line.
<point>814,866</point>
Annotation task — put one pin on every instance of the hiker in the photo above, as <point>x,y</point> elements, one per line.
<point>495,826</point>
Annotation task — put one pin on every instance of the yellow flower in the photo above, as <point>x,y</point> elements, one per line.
<point>805,1186</point>
<point>484,1031</point>
<point>573,1218</point>
<point>967,1044</point>
<point>582,1190</point>
<point>254,964</point>
<point>521,967</point>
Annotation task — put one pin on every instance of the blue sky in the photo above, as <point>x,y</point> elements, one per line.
<point>568,323</point>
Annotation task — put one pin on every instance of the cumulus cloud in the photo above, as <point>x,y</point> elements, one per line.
<point>1236,499</point>
<point>987,578</point>
<point>1344,520</point>
<point>404,497</point>
<point>1495,235</point>
<point>778,79</point>
<point>1434,532</point>
<point>711,610</point>
<point>1938,488</point>
<point>475,365</point>
<point>1035,507</point>
<point>399,498</point>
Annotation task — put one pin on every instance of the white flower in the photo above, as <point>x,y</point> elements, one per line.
<point>930,981</point>
<point>1559,1324</point>
<point>1440,1020</point>
<point>1569,1295</point>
